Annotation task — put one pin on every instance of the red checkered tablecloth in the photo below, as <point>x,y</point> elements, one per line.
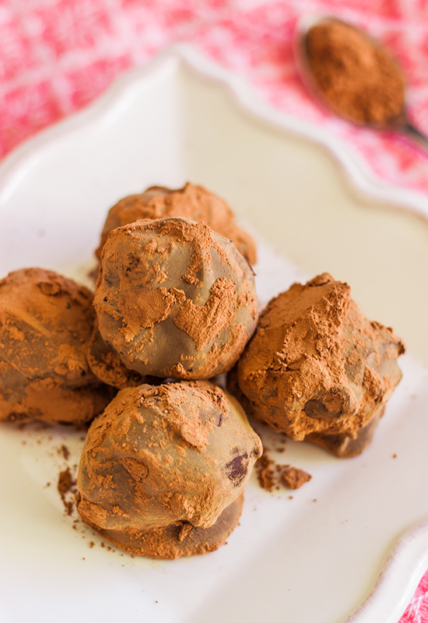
<point>58,55</point>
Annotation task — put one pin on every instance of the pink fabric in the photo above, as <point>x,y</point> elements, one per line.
<point>72,49</point>
<point>58,55</point>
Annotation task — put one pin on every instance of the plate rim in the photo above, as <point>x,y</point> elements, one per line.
<point>408,559</point>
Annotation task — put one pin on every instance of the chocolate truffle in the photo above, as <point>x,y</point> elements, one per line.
<point>174,299</point>
<point>317,367</point>
<point>45,324</point>
<point>192,202</point>
<point>163,469</point>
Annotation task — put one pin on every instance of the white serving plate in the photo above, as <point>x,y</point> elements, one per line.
<point>181,118</point>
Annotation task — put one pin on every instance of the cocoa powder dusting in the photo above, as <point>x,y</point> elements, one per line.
<point>358,78</point>
<point>215,316</point>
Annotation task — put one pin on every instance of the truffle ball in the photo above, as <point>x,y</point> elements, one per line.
<point>192,202</point>
<point>45,324</point>
<point>316,365</point>
<point>163,469</point>
<point>174,299</point>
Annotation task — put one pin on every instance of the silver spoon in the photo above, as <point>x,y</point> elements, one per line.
<point>400,124</point>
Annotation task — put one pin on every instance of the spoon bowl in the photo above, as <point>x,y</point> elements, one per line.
<point>399,123</point>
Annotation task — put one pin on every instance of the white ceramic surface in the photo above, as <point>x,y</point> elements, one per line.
<point>295,560</point>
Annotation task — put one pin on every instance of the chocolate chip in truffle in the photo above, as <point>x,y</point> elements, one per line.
<point>316,409</point>
<point>237,468</point>
<point>330,405</point>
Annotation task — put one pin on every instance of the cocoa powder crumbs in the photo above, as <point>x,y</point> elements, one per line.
<point>69,507</point>
<point>91,544</point>
<point>271,474</point>
<point>64,451</point>
<point>358,78</point>
<point>66,484</point>
<point>65,481</point>
<point>265,473</point>
<point>294,478</point>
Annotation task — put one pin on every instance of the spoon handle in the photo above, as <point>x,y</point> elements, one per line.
<point>415,135</point>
